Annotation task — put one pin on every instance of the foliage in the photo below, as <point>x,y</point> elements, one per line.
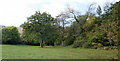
<point>10,35</point>
<point>103,29</point>
<point>96,28</point>
<point>40,28</point>
<point>82,44</point>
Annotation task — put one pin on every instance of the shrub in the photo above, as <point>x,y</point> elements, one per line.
<point>86,45</point>
<point>76,44</point>
<point>79,43</point>
<point>68,42</point>
<point>58,42</point>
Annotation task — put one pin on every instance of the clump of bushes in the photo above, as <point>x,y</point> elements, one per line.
<point>82,44</point>
<point>86,44</point>
<point>109,48</point>
<point>76,44</point>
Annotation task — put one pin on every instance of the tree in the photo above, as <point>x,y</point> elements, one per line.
<point>10,35</point>
<point>63,21</point>
<point>101,29</point>
<point>41,26</point>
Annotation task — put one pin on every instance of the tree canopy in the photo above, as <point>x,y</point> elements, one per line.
<point>10,35</point>
<point>41,28</point>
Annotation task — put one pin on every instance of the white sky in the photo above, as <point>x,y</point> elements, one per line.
<point>15,12</point>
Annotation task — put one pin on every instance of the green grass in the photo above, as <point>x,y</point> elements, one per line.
<point>35,52</point>
<point>0,52</point>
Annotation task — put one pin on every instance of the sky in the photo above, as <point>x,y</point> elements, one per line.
<point>15,12</point>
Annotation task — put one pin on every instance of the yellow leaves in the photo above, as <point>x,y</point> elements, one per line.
<point>105,37</point>
<point>100,45</point>
<point>93,43</point>
<point>89,21</point>
<point>97,44</point>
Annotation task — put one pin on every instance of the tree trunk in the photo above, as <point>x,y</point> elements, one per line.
<point>53,44</point>
<point>41,44</point>
<point>111,42</point>
<point>63,34</point>
<point>62,43</point>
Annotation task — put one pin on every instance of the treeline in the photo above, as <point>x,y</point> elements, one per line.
<point>96,28</point>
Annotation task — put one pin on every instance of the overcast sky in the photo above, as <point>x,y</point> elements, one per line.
<point>15,12</point>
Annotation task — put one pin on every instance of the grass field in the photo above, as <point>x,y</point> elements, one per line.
<point>0,52</point>
<point>35,52</point>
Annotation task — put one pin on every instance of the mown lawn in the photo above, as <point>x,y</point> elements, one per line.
<point>0,52</point>
<point>35,52</point>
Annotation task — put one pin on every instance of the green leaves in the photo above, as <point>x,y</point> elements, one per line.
<point>89,27</point>
<point>10,35</point>
<point>40,27</point>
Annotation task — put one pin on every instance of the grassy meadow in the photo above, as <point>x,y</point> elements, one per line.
<point>49,52</point>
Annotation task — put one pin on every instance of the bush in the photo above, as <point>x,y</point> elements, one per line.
<point>76,44</point>
<point>68,42</point>
<point>96,45</point>
<point>87,45</point>
<point>58,42</point>
<point>82,44</point>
